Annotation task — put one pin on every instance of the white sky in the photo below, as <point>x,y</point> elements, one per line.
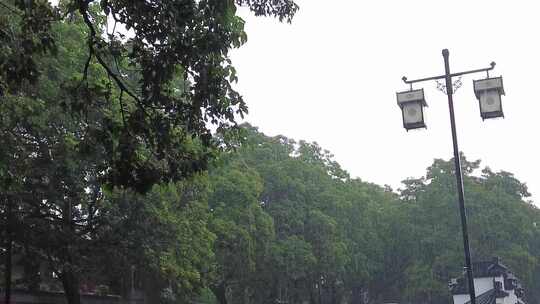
<point>331,77</point>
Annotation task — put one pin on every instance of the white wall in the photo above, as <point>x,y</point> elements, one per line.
<point>482,285</point>
<point>461,299</point>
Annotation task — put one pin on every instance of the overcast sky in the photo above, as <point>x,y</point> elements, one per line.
<point>331,77</point>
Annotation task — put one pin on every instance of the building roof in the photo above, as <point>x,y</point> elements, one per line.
<point>493,268</point>
<point>483,269</point>
<point>489,297</point>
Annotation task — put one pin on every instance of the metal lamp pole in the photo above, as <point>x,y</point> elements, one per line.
<point>459,177</point>
<point>457,162</point>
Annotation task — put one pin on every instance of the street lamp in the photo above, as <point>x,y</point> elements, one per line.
<point>488,91</point>
<point>412,104</point>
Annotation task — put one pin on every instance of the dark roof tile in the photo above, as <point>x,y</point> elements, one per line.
<point>487,297</point>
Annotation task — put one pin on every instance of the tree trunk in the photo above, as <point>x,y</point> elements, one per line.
<point>9,248</point>
<point>312,296</point>
<point>220,293</point>
<point>153,286</point>
<point>357,295</point>
<point>69,276</point>
<point>70,281</point>
<point>336,295</point>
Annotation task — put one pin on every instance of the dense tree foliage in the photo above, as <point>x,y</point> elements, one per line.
<point>279,220</point>
<point>163,236</point>
<point>501,223</point>
<point>341,240</point>
<point>88,111</point>
<point>168,72</point>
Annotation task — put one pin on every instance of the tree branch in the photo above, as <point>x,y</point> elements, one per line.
<point>83,9</point>
<point>87,64</point>
<point>13,10</point>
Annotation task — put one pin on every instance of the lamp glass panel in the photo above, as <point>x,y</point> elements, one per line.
<point>490,101</point>
<point>412,113</point>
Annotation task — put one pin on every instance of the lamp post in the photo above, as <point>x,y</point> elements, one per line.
<point>488,91</point>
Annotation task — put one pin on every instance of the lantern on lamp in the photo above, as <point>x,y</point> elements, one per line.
<point>488,92</point>
<point>412,105</point>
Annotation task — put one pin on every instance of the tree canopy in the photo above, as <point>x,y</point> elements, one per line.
<point>89,110</point>
<point>167,74</point>
<point>279,220</point>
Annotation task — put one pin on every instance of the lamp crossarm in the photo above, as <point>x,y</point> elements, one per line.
<point>492,66</point>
